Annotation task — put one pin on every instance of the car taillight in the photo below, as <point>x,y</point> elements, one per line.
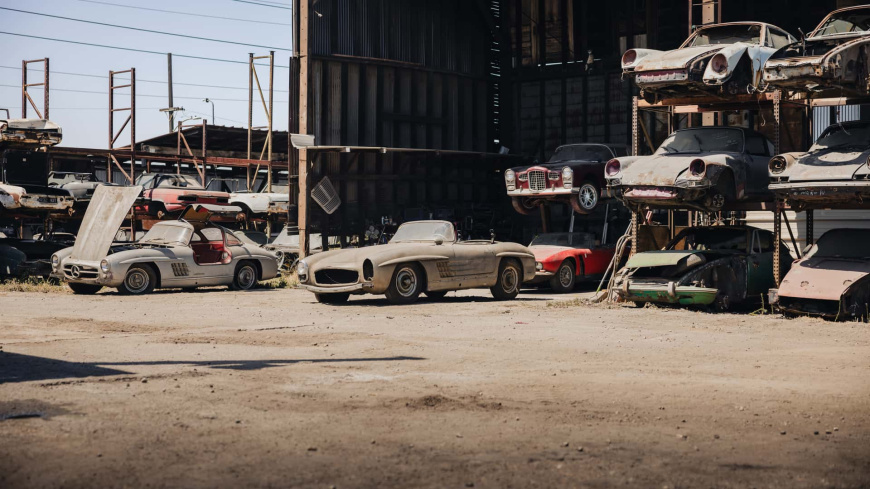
<point>719,64</point>
<point>697,168</point>
<point>629,57</point>
<point>612,168</point>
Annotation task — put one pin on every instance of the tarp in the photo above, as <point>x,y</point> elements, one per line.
<point>106,212</point>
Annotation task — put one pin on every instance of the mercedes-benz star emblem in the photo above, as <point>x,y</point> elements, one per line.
<point>76,271</point>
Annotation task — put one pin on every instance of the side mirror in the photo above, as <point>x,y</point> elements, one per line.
<point>439,240</point>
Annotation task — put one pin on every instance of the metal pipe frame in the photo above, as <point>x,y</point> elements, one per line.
<point>26,99</point>
<point>130,120</point>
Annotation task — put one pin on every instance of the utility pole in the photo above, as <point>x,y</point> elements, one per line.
<point>302,53</point>
<point>169,72</point>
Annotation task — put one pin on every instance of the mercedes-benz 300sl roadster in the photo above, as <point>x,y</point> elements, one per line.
<point>422,257</point>
<point>187,253</point>
<point>704,168</point>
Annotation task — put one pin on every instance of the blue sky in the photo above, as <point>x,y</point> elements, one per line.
<point>84,116</point>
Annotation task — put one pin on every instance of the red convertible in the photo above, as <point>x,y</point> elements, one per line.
<point>171,193</point>
<point>562,259</point>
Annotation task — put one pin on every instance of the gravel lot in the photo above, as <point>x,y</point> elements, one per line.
<point>269,389</point>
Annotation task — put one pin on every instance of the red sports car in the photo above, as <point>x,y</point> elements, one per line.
<point>562,259</point>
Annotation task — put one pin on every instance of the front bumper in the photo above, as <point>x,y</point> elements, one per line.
<point>360,288</point>
<point>543,194</point>
<point>45,202</point>
<point>668,294</point>
<point>693,194</point>
<point>803,75</point>
<point>836,192</point>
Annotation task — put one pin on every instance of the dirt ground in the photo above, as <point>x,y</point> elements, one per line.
<point>270,389</point>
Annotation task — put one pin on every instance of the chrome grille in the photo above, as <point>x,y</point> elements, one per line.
<point>537,180</point>
<point>79,271</point>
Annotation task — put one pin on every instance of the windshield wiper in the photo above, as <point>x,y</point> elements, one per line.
<point>700,146</point>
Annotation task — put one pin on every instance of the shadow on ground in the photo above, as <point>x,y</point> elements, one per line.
<point>15,367</point>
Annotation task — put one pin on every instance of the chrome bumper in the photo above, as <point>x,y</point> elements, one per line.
<point>319,289</point>
<point>550,192</point>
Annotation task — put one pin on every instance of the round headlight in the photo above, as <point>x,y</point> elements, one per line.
<point>719,64</point>
<point>612,168</point>
<point>697,168</point>
<point>629,57</point>
<point>567,173</point>
<point>510,176</point>
<point>777,165</point>
<point>104,266</point>
<point>55,261</point>
<point>302,271</point>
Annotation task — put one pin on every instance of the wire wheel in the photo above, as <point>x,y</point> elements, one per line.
<point>563,281</point>
<point>566,276</point>
<point>588,196</point>
<point>717,201</point>
<point>137,281</point>
<point>406,282</point>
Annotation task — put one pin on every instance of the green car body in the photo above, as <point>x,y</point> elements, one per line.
<point>705,266</point>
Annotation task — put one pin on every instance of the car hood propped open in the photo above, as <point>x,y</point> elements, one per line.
<point>107,210</point>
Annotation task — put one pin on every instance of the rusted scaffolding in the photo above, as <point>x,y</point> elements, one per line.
<point>130,120</point>
<point>266,150</point>
<point>26,99</point>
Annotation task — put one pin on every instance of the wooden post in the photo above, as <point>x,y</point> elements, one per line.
<point>302,53</point>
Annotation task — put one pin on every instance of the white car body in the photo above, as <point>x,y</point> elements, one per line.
<point>261,202</point>
<point>691,70</point>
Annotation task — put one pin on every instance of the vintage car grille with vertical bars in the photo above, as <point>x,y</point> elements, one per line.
<point>332,276</point>
<point>537,180</point>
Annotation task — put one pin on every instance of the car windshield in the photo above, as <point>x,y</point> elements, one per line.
<point>165,233</point>
<point>573,240</point>
<point>581,152</point>
<point>702,239</point>
<point>844,23</point>
<point>839,136</point>
<point>728,34</point>
<point>189,181</point>
<point>842,243</point>
<point>424,231</point>
<point>702,141</point>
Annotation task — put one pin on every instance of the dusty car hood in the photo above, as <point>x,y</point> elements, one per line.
<point>822,278</point>
<point>828,164</point>
<point>678,58</point>
<point>660,170</point>
<point>661,258</point>
<point>30,131</point>
<point>104,216</point>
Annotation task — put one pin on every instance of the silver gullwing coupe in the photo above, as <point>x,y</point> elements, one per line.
<point>186,253</point>
<point>422,257</point>
<point>722,59</point>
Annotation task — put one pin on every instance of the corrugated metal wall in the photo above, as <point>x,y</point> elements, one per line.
<point>401,74</point>
<point>823,117</point>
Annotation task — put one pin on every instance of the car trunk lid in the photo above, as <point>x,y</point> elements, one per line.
<point>822,278</point>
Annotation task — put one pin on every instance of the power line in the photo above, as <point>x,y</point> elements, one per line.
<point>140,29</point>
<point>204,58</point>
<point>264,4</point>
<point>186,13</point>
<point>140,80</point>
<point>53,89</point>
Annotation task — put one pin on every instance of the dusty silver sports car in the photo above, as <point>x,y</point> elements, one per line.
<point>704,168</point>
<point>723,59</point>
<point>833,57</point>
<point>186,253</point>
<point>833,172</point>
<point>422,257</point>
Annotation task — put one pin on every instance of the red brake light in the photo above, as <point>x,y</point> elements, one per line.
<point>719,64</point>
<point>697,168</point>
<point>612,168</point>
<point>629,57</point>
